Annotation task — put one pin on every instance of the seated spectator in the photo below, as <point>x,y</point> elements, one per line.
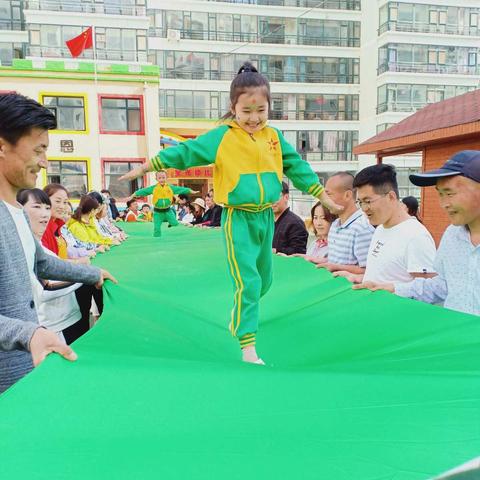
<point>121,215</point>
<point>458,281</point>
<point>213,215</point>
<point>112,211</point>
<point>321,221</point>
<point>182,201</point>
<point>52,238</point>
<point>188,216</point>
<point>350,234</point>
<point>82,223</point>
<point>57,307</point>
<point>411,206</point>
<point>131,214</point>
<point>402,248</point>
<point>290,235</point>
<point>76,248</point>
<point>199,211</point>
<point>82,226</point>
<point>145,214</point>
<point>104,226</point>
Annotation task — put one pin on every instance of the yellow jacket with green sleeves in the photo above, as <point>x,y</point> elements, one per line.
<point>87,232</point>
<point>162,194</point>
<point>248,168</point>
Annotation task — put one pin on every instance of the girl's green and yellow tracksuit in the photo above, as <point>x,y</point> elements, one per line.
<point>248,171</point>
<point>162,204</point>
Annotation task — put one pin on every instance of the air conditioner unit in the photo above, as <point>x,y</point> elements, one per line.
<point>173,35</point>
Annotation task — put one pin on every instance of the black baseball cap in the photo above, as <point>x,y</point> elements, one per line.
<point>465,163</point>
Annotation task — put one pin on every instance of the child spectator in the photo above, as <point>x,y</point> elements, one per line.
<point>131,214</point>
<point>145,214</point>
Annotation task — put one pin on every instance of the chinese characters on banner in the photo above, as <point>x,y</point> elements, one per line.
<point>197,172</point>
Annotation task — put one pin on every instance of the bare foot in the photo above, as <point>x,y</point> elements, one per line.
<point>249,355</point>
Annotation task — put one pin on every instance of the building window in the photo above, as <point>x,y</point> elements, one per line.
<point>10,51</point>
<point>121,115</point>
<point>405,187</point>
<point>10,15</point>
<point>442,18</point>
<point>69,111</point>
<point>72,174</point>
<point>113,170</point>
<point>474,19</point>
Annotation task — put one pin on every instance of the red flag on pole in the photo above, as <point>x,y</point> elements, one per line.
<point>78,44</point>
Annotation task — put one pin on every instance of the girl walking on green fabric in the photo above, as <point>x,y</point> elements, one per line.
<point>250,159</point>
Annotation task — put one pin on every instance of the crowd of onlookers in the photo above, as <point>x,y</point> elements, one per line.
<point>201,212</point>
<point>379,242</point>
<point>50,294</point>
<point>75,235</point>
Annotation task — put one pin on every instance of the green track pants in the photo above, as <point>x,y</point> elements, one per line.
<point>248,241</point>
<point>163,216</point>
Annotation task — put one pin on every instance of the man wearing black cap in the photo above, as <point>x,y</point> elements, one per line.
<point>458,257</point>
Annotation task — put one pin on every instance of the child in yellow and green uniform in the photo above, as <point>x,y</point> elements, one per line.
<point>162,201</point>
<point>250,159</point>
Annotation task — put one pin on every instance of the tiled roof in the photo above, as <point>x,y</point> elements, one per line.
<point>447,113</point>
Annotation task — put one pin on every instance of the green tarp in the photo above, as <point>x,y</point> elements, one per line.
<point>358,385</point>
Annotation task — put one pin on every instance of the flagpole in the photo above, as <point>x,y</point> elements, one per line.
<point>95,81</point>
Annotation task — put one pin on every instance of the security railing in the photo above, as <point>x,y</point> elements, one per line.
<point>427,28</point>
<point>112,55</point>
<point>83,7</point>
<point>294,77</point>
<point>328,4</point>
<point>399,107</point>
<point>6,24</point>
<point>418,67</point>
<point>273,38</point>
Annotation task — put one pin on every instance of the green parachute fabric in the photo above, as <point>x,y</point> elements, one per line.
<point>357,386</point>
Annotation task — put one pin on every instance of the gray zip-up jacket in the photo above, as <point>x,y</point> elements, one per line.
<point>18,315</point>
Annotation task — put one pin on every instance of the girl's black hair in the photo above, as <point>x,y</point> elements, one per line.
<point>247,77</point>
<point>86,205</point>
<point>97,196</point>
<point>23,196</point>
<point>412,206</point>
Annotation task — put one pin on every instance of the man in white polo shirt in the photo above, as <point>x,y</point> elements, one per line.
<point>402,248</point>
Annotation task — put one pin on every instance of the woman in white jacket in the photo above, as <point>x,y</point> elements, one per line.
<point>57,306</point>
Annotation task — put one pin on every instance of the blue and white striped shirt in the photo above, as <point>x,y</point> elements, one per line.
<point>348,242</point>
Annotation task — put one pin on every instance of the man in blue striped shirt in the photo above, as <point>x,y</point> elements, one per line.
<point>350,235</point>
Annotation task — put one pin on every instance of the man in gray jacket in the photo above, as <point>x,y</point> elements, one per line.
<point>24,126</point>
